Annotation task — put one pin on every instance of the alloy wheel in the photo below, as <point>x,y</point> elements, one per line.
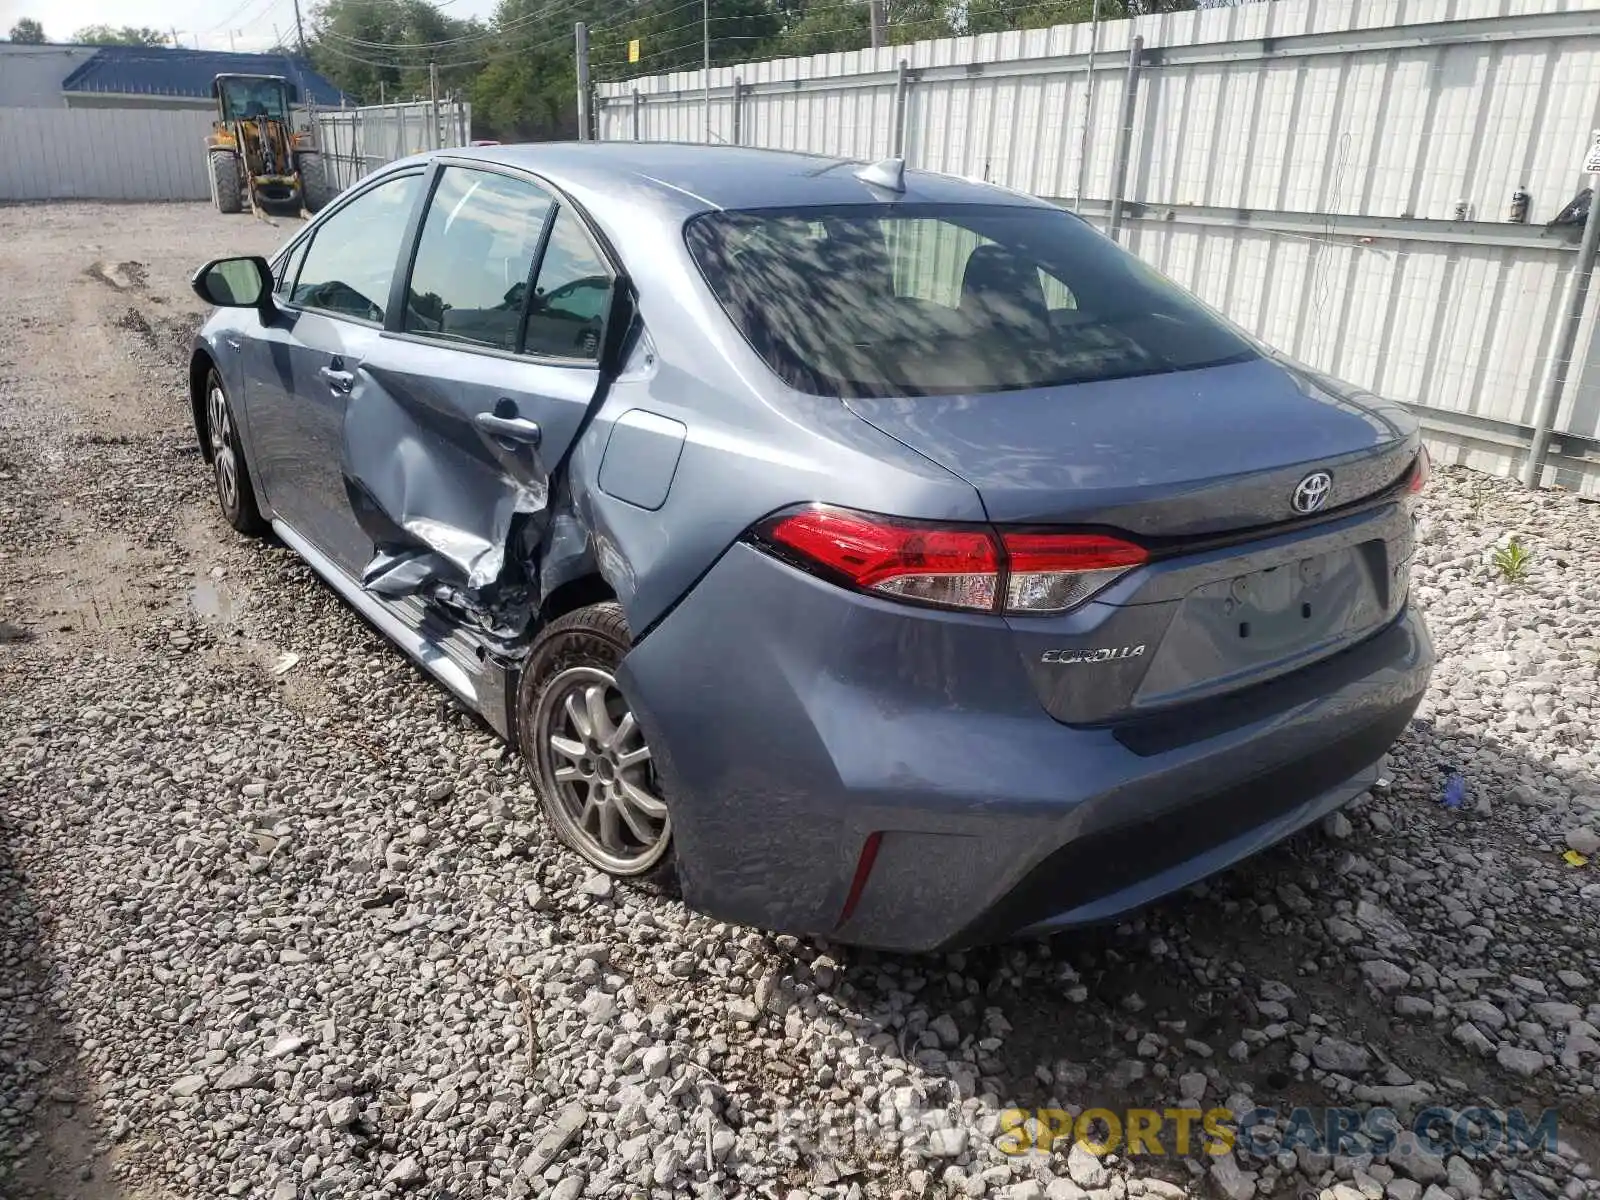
<point>598,767</point>
<point>220,427</point>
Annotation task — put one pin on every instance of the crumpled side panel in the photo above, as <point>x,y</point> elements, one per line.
<point>439,502</point>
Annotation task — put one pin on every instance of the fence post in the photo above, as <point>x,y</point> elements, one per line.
<point>435,134</point>
<point>738,111</point>
<point>902,84</point>
<point>638,107</point>
<point>580,38</point>
<point>1119,170</point>
<point>1559,365</point>
<point>355,147</point>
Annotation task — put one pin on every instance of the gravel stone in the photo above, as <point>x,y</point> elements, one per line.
<point>1334,1054</point>
<point>1583,839</point>
<point>1526,1063</point>
<point>1384,975</point>
<point>1087,1170</point>
<point>1233,1183</point>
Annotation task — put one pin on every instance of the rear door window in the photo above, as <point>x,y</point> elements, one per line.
<point>351,262</point>
<point>571,296</point>
<point>917,299</point>
<point>470,279</point>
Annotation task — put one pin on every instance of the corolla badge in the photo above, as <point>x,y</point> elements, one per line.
<point>1311,493</point>
<point>1099,654</point>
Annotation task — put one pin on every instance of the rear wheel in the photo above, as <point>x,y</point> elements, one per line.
<point>314,190</point>
<point>589,760</point>
<point>235,495</point>
<point>227,190</point>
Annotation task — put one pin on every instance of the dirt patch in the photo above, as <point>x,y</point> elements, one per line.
<point>122,276</point>
<point>133,321</point>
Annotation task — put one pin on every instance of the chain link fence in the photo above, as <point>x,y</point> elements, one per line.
<point>355,141</point>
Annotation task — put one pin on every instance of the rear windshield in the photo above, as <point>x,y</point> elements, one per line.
<point>917,300</point>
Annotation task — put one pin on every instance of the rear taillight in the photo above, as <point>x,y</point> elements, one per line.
<point>1420,470</point>
<point>966,567</point>
<point>953,568</point>
<point>1050,572</point>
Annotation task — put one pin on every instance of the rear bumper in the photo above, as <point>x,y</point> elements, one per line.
<point>791,720</point>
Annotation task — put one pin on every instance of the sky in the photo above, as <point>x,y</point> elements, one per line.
<point>216,24</point>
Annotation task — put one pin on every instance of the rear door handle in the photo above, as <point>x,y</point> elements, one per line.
<point>337,380</point>
<point>514,429</point>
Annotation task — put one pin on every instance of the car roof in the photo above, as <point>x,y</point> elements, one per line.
<point>692,177</point>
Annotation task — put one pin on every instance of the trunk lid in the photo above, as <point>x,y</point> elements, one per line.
<point>1182,454</point>
<point>1201,467</point>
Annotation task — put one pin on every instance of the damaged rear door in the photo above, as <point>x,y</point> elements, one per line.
<point>480,384</point>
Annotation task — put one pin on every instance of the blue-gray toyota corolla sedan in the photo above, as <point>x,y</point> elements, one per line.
<point>885,556</point>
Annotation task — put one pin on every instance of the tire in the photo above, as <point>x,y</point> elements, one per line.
<point>314,191</point>
<point>585,753</point>
<point>236,495</point>
<point>227,188</point>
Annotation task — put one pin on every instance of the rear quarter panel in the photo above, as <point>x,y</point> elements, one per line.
<point>750,446</point>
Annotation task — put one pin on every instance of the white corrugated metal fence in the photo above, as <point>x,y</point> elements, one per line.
<point>1336,176</point>
<point>103,154</point>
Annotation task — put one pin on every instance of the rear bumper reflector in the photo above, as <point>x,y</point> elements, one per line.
<point>858,883</point>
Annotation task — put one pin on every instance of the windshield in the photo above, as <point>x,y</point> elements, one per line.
<point>915,299</point>
<point>253,98</point>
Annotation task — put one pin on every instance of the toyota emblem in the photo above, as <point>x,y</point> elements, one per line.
<point>1311,493</point>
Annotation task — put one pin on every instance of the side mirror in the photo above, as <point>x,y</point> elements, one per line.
<point>235,283</point>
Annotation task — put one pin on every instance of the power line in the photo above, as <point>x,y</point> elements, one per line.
<point>493,33</point>
<point>656,16</point>
<point>227,20</point>
<point>563,39</point>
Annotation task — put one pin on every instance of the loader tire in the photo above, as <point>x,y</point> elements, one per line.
<point>226,186</point>
<point>314,190</point>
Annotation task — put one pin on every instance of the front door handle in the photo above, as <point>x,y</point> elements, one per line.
<point>337,380</point>
<point>513,429</point>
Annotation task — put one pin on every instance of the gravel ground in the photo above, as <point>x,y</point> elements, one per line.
<point>278,920</point>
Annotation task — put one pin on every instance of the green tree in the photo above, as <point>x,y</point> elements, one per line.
<point>995,16</point>
<point>528,87</point>
<point>829,26</point>
<point>28,32</point>
<point>672,37</point>
<point>127,35</point>
<point>380,49</point>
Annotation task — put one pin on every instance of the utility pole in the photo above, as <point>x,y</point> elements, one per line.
<point>580,39</point>
<point>875,16</point>
<point>705,34</point>
<point>175,43</point>
<point>1088,109</point>
<point>299,29</point>
<point>231,46</point>
<point>433,103</point>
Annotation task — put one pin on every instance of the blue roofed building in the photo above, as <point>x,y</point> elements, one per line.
<point>55,76</point>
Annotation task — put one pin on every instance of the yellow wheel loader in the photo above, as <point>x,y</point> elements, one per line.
<point>255,156</point>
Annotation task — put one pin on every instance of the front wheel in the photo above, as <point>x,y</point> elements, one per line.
<point>590,763</point>
<point>235,496</point>
<point>227,189</point>
<point>314,190</point>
